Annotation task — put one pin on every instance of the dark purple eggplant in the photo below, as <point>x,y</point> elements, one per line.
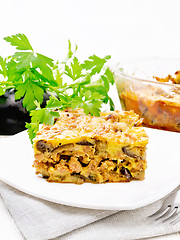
<point>13,115</point>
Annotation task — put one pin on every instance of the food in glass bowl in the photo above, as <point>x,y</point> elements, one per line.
<point>151,87</point>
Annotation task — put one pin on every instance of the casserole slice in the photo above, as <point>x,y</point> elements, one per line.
<point>81,148</point>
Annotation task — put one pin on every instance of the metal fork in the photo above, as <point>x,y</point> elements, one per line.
<point>170,210</point>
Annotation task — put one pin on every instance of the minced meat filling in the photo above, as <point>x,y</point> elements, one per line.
<point>81,148</point>
<point>82,160</point>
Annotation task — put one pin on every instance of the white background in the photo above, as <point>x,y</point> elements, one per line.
<point>121,28</point>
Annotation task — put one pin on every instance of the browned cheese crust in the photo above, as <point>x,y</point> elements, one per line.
<point>81,148</point>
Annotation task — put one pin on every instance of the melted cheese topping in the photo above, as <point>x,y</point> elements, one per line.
<point>116,128</point>
<point>82,148</point>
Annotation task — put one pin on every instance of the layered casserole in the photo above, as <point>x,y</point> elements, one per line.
<point>157,103</point>
<point>151,87</point>
<point>81,148</point>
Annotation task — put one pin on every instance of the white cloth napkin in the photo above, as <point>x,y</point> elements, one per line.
<point>38,219</point>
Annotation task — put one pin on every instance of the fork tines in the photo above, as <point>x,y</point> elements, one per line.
<point>170,214</point>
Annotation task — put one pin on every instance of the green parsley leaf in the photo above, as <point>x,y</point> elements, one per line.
<point>70,52</point>
<point>24,59</point>
<point>68,71</point>
<point>95,64</point>
<point>106,83</point>
<point>30,91</point>
<point>58,76</point>
<point>13,74</point>
<point>109,75</point>
<point>44,63</point>
<point>43,115</point>
<point>30,60</point>
<point>33,128</point>
<point>63,102</point>
<point>77,102</point>
<point>111,103</point>
<point>20,41</point>
<point>98,86</point>
<point>75,70</point>
<point>91,103</point>
<point>3,69</point>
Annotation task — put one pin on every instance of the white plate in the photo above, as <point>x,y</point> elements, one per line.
<point>162,176</point>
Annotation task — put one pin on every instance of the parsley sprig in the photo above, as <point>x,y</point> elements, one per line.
<point>69,83</point>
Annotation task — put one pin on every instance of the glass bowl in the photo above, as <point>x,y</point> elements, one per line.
<point>151,87</point>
